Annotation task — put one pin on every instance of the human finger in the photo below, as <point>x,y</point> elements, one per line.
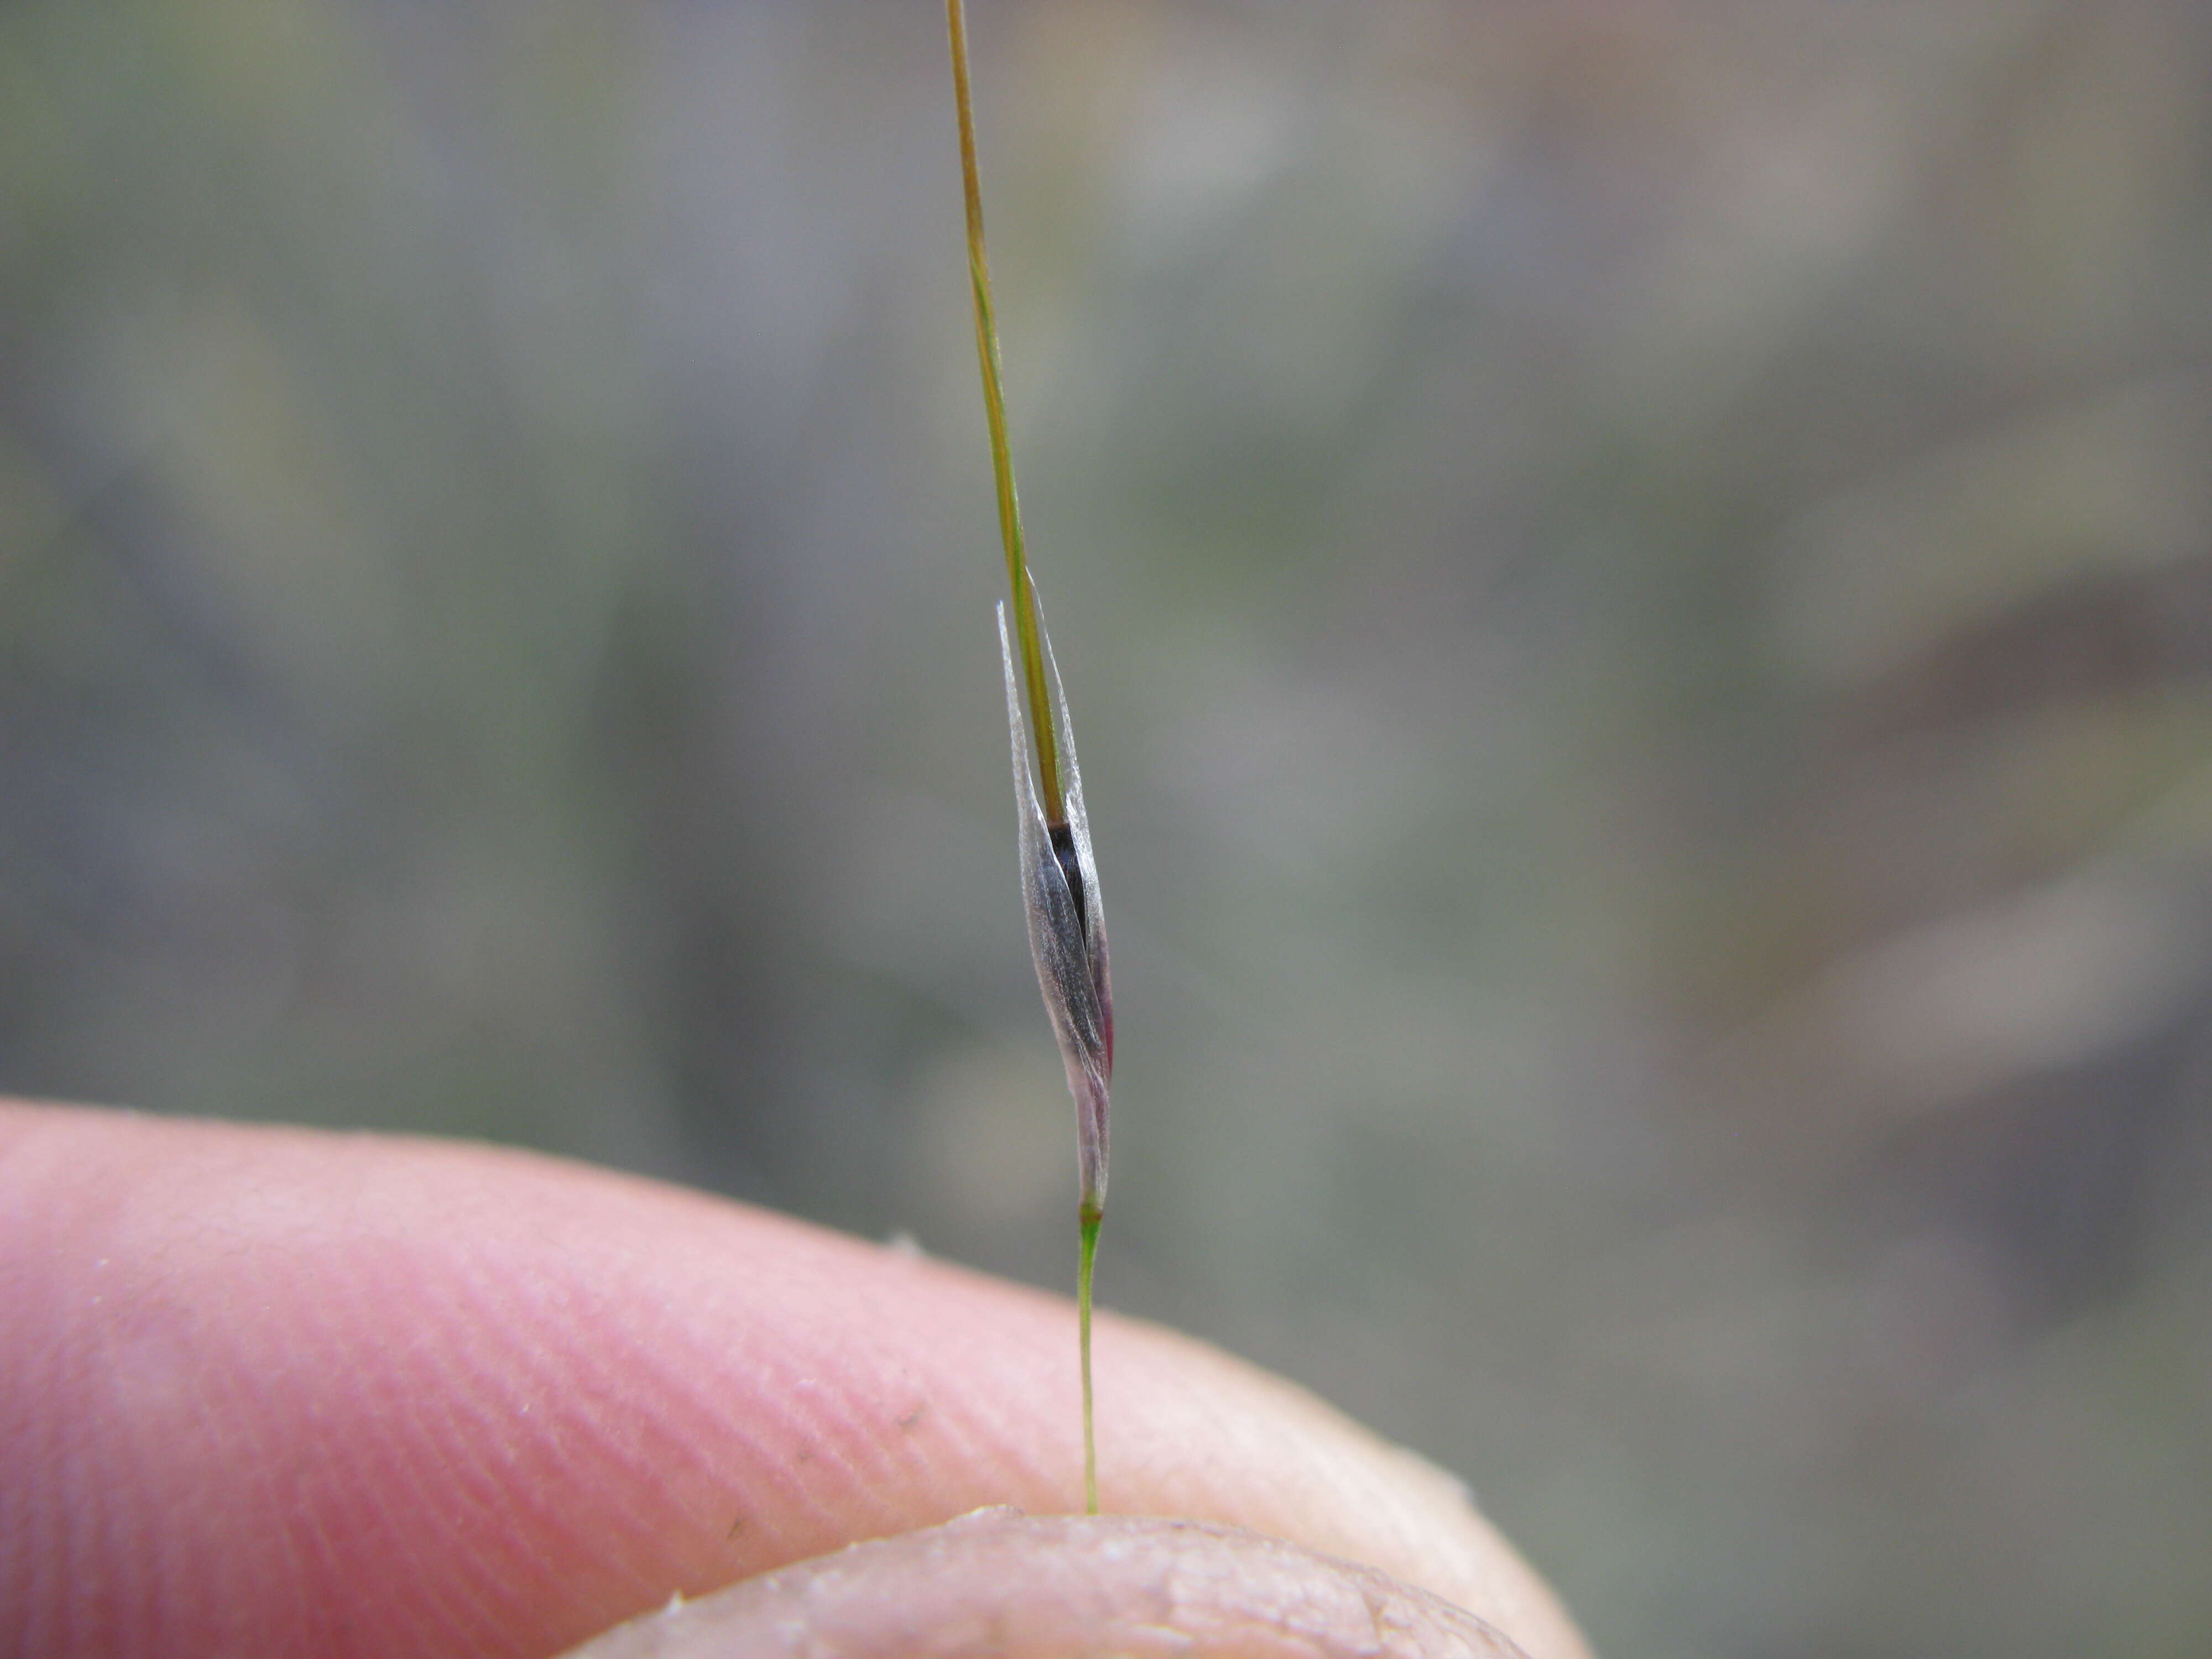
<point>278,1392</point>
<point>1000,1584</point>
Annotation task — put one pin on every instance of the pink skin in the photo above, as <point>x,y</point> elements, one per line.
<point>272,1392</point>
<point>999,1585</point>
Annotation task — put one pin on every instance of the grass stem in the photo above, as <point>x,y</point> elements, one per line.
<point>1067,925</point>
<point>1087,1257</point>
<point>994,409</point>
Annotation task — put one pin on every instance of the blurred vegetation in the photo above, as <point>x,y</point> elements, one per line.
<point>1638,585</point>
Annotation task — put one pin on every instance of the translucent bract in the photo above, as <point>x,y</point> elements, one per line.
<point>1067,922</point>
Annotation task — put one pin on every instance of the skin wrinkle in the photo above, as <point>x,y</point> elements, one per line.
<point>47,1465</point>
<point>804,1440</point>
<point>1197,1586</point>
<point>601,1428</point>
<point>370,1420</point>
<point>150,1384</point>
<point>648,1447</point>
<point>833,1438</point>
<point>271,1485</point>
<point>73,1564</point>
<point>316,1437</point>
<point>795,1419</point>
<point>484,1415</point>
<point>952,1449</point>
<point>501,1417</point>
<point>460,1405</point>
<point>479,1610</point>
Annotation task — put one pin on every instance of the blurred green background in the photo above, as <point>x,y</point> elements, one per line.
<point>1636,583</point>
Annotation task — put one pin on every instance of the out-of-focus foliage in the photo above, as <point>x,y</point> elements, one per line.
<point>1638,581</point>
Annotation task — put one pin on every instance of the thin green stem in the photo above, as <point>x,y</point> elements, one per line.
<point>1087,1257</point>
<point>1002,459</point>
<point>1029,632</point>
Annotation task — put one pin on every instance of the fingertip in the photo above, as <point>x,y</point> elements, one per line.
<point>1012,1586</point>
<point>283,1391</point>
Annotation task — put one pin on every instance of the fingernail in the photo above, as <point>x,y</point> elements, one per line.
<point>1015,1586</point>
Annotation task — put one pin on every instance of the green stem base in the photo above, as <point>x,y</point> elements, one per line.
<point>1087,1257</point>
